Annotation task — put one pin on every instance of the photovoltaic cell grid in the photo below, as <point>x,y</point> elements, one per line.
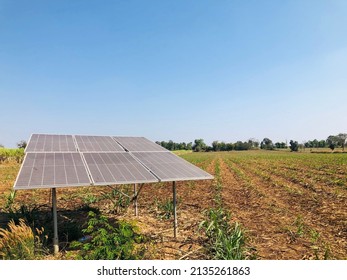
<point>54,161</point>
<point>116,168</point>
<point>51,143</point>
<point>42,170</point>
<point>97,144</point>
<point>169,167</point>
<point>139,144</point>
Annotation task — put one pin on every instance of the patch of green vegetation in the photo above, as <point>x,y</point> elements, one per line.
<point>165,208</point>
<point>11,155</point>
<point>225,241</point>
<point>109,241</point>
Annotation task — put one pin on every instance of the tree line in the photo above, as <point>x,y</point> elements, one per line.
<point>332,142</point>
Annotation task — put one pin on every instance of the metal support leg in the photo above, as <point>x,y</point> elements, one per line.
<point>55,222</point>
<point>174,208</point>
<point>135,200</point>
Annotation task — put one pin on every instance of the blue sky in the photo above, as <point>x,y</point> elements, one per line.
<point>180,70</point>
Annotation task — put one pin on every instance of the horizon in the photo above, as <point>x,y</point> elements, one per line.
<point>180,71</point>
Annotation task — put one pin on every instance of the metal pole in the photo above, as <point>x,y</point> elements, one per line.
<point>135,200</point>
<point>174,207</point>
<point>55,222</point>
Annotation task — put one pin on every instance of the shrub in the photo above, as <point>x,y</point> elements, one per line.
<point>108,242</point>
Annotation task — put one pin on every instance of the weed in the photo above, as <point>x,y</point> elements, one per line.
<point>9,201</point>
<point>314,235</point>
<point>299,223</point>
<point>107,241</point>
<point>165,208</point>
<point>20,243</point>
<point>119,200</point>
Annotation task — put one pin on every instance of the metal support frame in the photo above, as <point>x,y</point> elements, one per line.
<point>55,222</point>
<point>135,200</point>
<point>174,208</point>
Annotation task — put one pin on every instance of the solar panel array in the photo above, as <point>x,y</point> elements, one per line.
<point>75,160</point>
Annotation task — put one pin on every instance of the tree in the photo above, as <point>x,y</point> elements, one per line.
<point>322,144</point>
<point>280,145</point>
<point>253,143</point>
<point>266,144</point>
<point>199,145</point>
<point>341,139</point>
<point>22,144</point>
<point>215,146</point>
<point>293,145</point>
<point>332,142</point>
<point>1,146</point>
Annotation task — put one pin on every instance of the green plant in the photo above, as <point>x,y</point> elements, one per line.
<point>9,201</point>
<point>119,200</point>
<point>299,223</point>
<point>225,241</point>
<point>108,241</point>
<point>19,242</point>
<point>165,209</point>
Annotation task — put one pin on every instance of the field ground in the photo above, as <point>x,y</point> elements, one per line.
<point>291,205</point>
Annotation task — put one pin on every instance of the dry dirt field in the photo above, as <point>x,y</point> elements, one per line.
<point>290,205</point>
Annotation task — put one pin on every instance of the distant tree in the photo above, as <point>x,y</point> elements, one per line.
<point>280,145</point>
<point>215,146</point>
<point>321,143</point>
<point>332,142</point>
<point>199,145</point>
<point>223,146</point>
<point>22,144</point>
<point>242,146</point>
<point>1,146</point>
<point>293,145</point>
<point>341,139</point>
<point>182,146</point>
<point>190,146</point>
<point>266,144</point>
<point>230,146</point>
<point>253,143</point>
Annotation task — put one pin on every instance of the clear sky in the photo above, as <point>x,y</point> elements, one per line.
<point>223,70</point>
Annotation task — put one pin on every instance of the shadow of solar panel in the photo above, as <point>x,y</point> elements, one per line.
<point>138,144</point>
<point>48,170</point>
<point>97,144</point>
<point>116,168</point>
<point>169,167</point>
<point>50,143</point>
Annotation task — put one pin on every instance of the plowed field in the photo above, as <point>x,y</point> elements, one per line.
<point>291,205</point>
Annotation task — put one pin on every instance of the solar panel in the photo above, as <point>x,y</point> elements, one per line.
<point>116,168</point>
<point>67,160</point>
<point>169,167</point>
<point>51,143</point>
<point>48,170</point>
<point>97,144</point>
<point>138,144</point>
